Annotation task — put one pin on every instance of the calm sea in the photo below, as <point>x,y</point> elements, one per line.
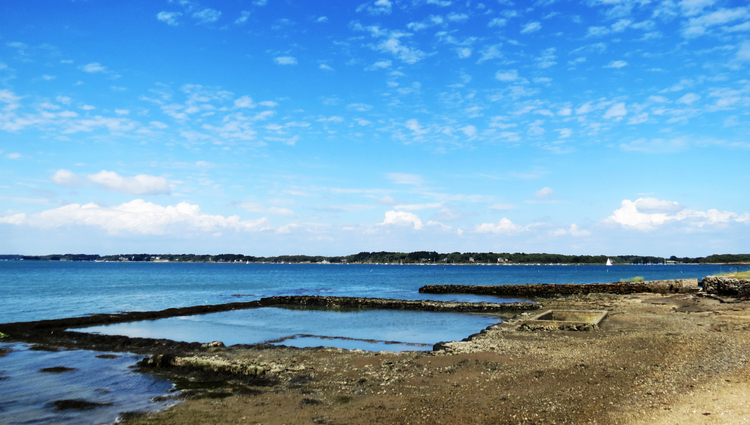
<point>49,290</point>
<point>32,290</point>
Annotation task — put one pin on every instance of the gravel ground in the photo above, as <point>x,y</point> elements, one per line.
<point>662,359</point>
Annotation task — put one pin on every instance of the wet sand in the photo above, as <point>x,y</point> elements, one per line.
<point>657,358</point>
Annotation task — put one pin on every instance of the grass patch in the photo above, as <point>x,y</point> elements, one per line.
<point>632,279</point>
<point>737,275</point>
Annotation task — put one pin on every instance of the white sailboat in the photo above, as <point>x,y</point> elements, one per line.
<point>609,262</point>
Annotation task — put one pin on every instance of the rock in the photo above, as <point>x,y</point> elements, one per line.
<point>722,285</point>
<point>215,344</point>
<point>77,404</point>
<point>57,369</point>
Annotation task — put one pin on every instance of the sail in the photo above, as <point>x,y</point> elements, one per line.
<point>609,262</point>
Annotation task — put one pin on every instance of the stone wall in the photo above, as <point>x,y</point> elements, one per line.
<point>550,289</point>
<point>722,285</point>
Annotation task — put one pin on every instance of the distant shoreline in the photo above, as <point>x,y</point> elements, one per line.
<point>384,258</point>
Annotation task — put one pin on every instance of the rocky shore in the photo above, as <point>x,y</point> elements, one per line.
<point>551,289</point>
<point>664,358</point>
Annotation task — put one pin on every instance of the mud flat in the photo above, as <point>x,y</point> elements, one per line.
<point>656,358</point>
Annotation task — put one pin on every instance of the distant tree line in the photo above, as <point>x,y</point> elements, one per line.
<point>417,257</point>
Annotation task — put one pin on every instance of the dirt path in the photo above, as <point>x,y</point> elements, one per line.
<point>656,359</point>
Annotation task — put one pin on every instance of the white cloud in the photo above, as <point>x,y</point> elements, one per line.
<point>531,27</point>
<point>325,67</point>
<point>285,60</point>
<point>700,25</point>
<point>616,64</point>
<point>497,22</point>
<point>502,226</point>
<point>743,51</point>
<point>244,15</point>
<point>378,7</point>
<point>544,193</point>
<point>244,102</point>
<point>138,217</point>
<point>597,31</point>
<point>507,76</point>
<point>402,218</point>
<point>255,207</point>
<point>469,130</point>
<point>405,178</point>
<point>141,184</point>
<point>404,53</point>
<point>490,52</point>
<point>207,16</point>
<point>463,52</point>
<point>417,207</point>
<point>616,111</point>
<point>66,178</point>
<point>573,231</point>
<point>688,98</point>
<point>387,200</point>
<point>655,206</point>
<point>649,213</point>
<point>457,17</point>
<point>639,118</point>
<point>359,107</point>
<point>170,18</point>
<point>693,7</point>
<point>13,155</point>
<point>94,67</point>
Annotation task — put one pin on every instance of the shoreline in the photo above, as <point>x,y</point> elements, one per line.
<point>656,358</point>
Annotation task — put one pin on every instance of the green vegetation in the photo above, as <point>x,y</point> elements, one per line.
<point>2,335</point>
<point>636,279</point>
<point>738,275</point>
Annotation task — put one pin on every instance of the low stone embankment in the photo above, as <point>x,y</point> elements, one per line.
<point>723,285</point>
<point>543,290</point>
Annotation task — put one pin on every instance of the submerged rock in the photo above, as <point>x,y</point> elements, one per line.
<point>57,369</point>
<point>77,404</point>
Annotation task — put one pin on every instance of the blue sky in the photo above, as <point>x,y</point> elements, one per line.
<point>289,127</point>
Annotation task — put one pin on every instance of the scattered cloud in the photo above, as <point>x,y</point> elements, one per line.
<point>93,67</point>
<point>285,60</point>
<point>531,27</point>
<point>405,178</point>
<point>169,18</point>
<point>255,207</point>
<point>207,16</point>
<point>141,184</point>
<point>502,226</point>
<point>617,64</point>
<point>544,193</point>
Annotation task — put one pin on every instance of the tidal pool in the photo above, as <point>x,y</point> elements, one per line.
<point>371,330</point>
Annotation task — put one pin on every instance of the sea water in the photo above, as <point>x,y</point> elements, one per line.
<point>31,290</point>
<point>36,290</point>
<point>28,393</point>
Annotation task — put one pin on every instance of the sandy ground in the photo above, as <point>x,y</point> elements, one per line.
<point>657,359</point>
